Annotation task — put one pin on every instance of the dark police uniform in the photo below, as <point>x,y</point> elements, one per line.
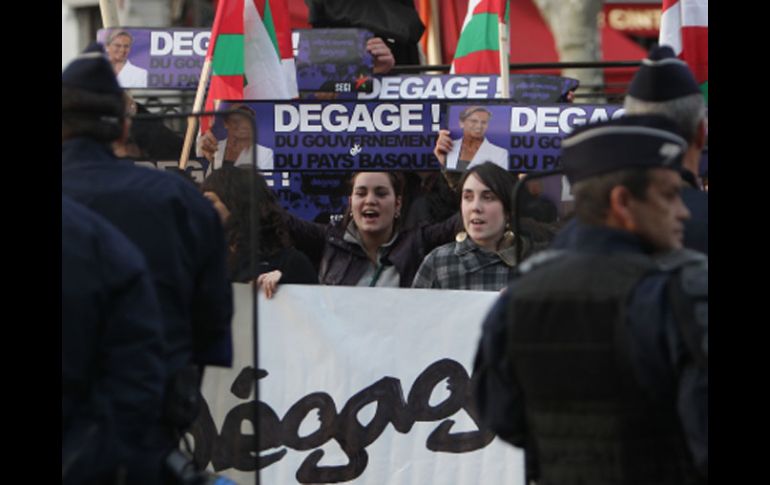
<point>173,225</point>
<point>696,229</point>
<point>112,362</point>
<point>179,233</point>
<point>595,360</point>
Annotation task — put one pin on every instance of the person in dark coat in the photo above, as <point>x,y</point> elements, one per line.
<point>368,247</point>
<point>664,85</point>
<point>395,21</point>
<point>229,189</point>
<point>532,203</point>
<point>595,359</point>
<point>175,227</point>
<point>112,348</point>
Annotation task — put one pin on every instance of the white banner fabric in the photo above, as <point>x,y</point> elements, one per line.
<point>325,345</point>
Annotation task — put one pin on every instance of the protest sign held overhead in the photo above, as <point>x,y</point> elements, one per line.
<point>156,58</point>
<point>524,88</point>
<point>334,60</point>
<point>401,135</point>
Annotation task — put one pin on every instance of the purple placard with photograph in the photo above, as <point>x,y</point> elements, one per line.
<point>334,60</point>
<point>399,135</point>
<point>517,137</point>
<point>160,58</point>
<point>347,135</point>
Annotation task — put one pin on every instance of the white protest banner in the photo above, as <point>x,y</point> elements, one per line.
<point>357,385</point>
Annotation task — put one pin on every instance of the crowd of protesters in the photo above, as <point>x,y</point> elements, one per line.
<point>149,258</point>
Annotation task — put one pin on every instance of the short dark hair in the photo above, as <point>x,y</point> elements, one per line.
<point>592,195</point>
<point>94,115</point>
<point>499,180</point>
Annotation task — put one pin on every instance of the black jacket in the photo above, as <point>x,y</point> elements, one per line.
<point>344,263</point>
<point>654,350</point>
<point>112,368</point>
<point>181,237</point>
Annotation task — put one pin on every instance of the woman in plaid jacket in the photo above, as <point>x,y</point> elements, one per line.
<point>483,256</point>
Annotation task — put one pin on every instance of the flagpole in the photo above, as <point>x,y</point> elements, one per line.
<point>434,36</point>
<point>505,69</point>
<point>109,13</point>
<point>192,121</point>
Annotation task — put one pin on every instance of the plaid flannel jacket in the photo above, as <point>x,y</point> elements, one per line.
<point>465,266</point>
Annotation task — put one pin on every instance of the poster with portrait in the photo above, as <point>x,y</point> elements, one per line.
<point>530,135</point>
<point>339,136</point>
<point>156,58</point>
<point>237,141</point>
<point>473,143</point>
<point>312,148</point>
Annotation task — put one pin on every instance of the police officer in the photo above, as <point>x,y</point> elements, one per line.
<point>112,348</point>
<point>595,360</point>
<point>665,85</point>
<point>175,227</point>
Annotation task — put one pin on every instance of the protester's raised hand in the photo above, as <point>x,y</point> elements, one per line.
<point>383,57</point>
<point>207,145</point>
<point>269,282</point>
<point>443,146</point>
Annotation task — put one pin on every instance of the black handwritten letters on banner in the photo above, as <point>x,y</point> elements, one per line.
<point>230,448</point>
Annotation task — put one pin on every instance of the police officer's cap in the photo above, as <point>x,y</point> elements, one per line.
<point>91,71</point>
<point>643,141</point>
<point>662,77</point>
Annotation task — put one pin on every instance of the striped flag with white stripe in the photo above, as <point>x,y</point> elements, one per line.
<point>684,25</point>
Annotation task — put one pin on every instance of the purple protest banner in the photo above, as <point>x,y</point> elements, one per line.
<point>342,136</point>
<point>524,88</point>
<point>173,59</point>
<point>334,60</point>
<point>517,137</point>
<point>158,58</point>
<point>401,135</point>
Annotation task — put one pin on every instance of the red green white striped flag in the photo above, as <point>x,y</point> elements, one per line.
<point>684,25</point>
<point>250,52</point>
<point>478,48</point>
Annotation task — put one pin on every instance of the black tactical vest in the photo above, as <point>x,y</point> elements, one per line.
<point>591,422</point>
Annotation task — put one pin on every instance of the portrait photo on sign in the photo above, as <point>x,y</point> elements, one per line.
<point>236,137</point>
<point>127,52</point>
<point>156,58</point>
<point>478,135</point>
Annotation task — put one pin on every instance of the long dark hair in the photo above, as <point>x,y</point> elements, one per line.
<point>233,185</point>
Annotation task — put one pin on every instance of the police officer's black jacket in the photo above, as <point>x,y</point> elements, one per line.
<point>181,237</point>
<point>696,228</point>
<point>112,368</point>
<point>584,364</point>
